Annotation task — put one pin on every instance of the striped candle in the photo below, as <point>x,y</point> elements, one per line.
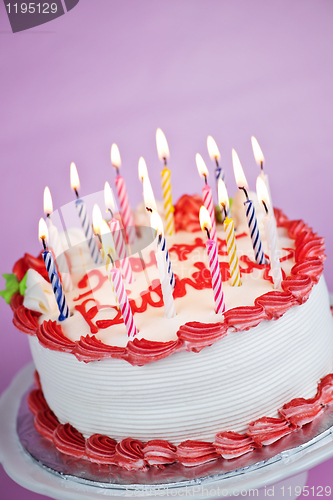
<point>59,254</point>
<point>123,301</point>
<point>125,209</point>
<point>216,276</point>
<point>165,251</point>
<point>121,250</point>
<point>232,252</point>
<point>56,284</point>
<point>208,203</point>
<point>254,232</point>
<point>87,229</point>
<point>169,306</point>
<point>167,198</point>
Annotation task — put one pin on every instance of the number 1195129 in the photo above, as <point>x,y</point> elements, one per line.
<point>32,8</point>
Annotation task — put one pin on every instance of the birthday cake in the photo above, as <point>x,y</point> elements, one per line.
<point>190,388</point>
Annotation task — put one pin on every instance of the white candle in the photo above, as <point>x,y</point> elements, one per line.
<point>271,233</point>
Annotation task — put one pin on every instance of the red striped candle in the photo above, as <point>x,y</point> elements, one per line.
<point>213,263</point>
<point>121,250</point>
<point>123,301</point>
<point>207,195</point>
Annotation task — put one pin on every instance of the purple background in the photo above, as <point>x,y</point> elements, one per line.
<point>111,71</point>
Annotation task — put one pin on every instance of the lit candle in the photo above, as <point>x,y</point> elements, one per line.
<point>169,306</point>
<point>230,233</point>
<point>116,279</point>
<point>207,194</point>
<point>271,233</point>
<point>150,205</point>
<point>117,236</point>
<point>163,154</point>
<point>82,212</point>
<point>249,210</point>
<point>56,245</point>
<point>52,272</point>
<point>205,223</point>
<point>122,195</point>
<point>148,193</point>
<point>259,157</point>
<point>107,245</point>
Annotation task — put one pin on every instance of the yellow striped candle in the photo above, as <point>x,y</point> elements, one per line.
<point>230,236</point>
<point>163,153</point>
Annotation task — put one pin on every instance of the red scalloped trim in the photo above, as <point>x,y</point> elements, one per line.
<point>132,454</point>
<point>192,336</point>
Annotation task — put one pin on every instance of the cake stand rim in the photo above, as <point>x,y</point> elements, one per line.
<point>25,471</point>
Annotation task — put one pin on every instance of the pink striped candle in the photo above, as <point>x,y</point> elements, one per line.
<point>207,195</point>
<point>121,250</point>
<point>123,301</point>
<point>213,263</point>
<point>123,198</point>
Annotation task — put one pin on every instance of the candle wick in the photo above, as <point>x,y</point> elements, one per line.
<point>48,216</point>
<point>243,189</point>
<point>44,243</point>
<point>265,206</point>
<point>205,176</point>
<point>165,161</point>
<point>117,169</point>
<point>225,210</point>
<point>77,193</point>
<point>149,210</point>
<point>111,259</point>
<point>109,210</point>
<point>262,166</point>
<point>207,231</point>
<point>99,237</point>
<point>217,162</point>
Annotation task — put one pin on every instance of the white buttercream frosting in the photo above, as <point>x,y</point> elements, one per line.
<point>38,295</point>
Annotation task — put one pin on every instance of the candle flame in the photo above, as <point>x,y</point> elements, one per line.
<point>223,194</point>
<point>156,222</point>
<point>115,156</point>
<point>204,218</point>
<point>148,194</point>
<point>162,145</point>
<point>142,168</point>
<point>213,150</point>
<point>48,205</point>
<point>75,181</point>
<point>108,197</point>
<point>238,171</point>
<point>262,192</point>
<point>43,233</point>
<point>201,166</point>
<point>97,219</point>
<point>259,157</point>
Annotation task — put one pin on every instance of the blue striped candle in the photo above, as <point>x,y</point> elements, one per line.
<point>56,284</point>
<point>165,251</point>
<point>254,232</point>
<point>87,229</point>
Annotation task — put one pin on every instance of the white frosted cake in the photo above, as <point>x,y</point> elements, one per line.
<point>192,388</point>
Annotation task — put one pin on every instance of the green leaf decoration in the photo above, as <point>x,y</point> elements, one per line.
<point>23,284</point>
<point>12,286</point>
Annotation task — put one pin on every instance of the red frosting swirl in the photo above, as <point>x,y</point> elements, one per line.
<point>301,411</point>
<point>129,454</point>
<point>46,423</point>
<point>101,449</point>
<point>50,335</point>
<point>159,452</point>
<point>186,214</point>
<point>312,267</point>
<point>191,453</point>
<point>198,335</point>
<point>36,401</point>
<point>326,389</point>
<point>244,318</point>
<point>299,286</point>
<point>69,441</point>
<point>275,303</point>
<point>267,430</point>
<point>91,349</point>
<point>29,262</point>
<point>140,352</point>
<point>232,445</point>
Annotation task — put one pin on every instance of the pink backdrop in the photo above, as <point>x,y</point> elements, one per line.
<point>111,71</point>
